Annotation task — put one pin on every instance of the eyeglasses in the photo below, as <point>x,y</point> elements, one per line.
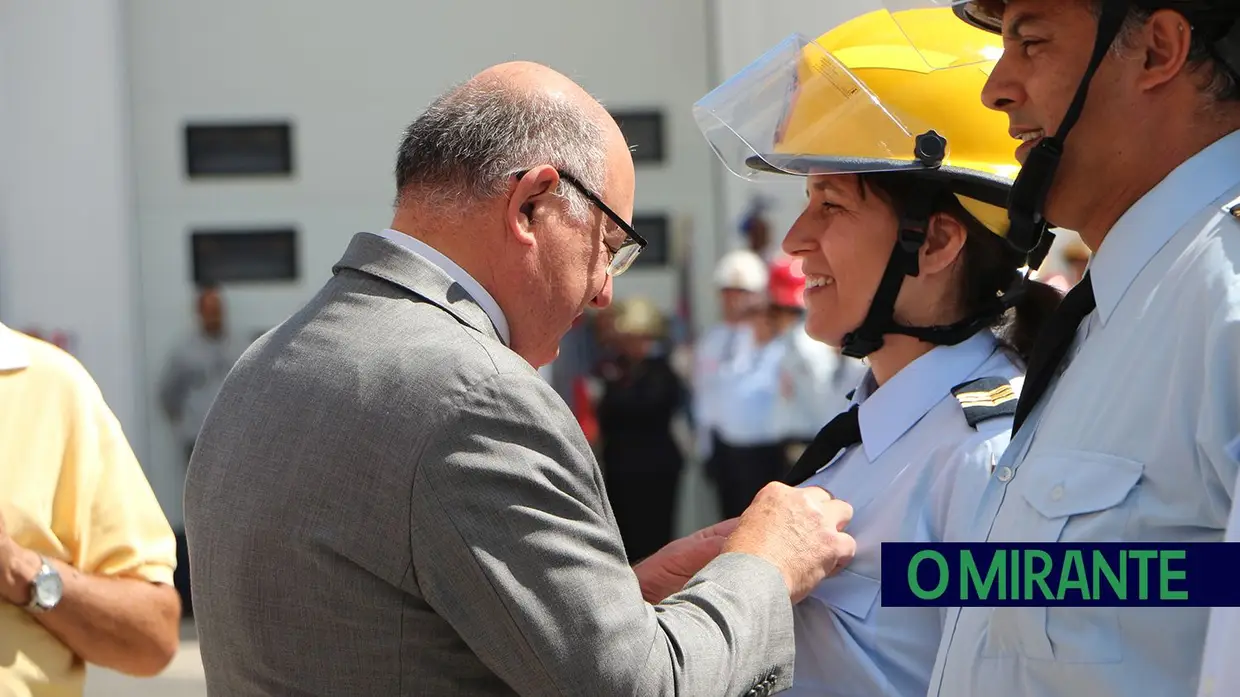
<point>623,255</point>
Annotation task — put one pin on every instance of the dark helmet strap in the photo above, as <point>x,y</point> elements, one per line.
<point>1027,202</point>
<point>952,334</point>
<point>880,319</point>
<point>868,338</point>
<point>1227,49</point>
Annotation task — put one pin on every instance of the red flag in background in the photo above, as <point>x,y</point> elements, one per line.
<point>583,409</point>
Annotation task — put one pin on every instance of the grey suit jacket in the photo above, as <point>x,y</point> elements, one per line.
<point>386,500</point>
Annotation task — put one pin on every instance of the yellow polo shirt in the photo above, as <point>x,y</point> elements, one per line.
<point>70,489</point>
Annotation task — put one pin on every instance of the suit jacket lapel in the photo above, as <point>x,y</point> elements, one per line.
<point>375,256</point>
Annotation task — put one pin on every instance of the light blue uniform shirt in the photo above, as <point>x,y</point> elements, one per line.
<point>713,355</point>
<point>1220,670</point>
<point>1129,444</point>
<point>746,394</point>
<point>917,476</point>
<point>814,381</point>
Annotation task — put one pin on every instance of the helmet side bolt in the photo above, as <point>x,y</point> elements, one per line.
<point>930,149</point>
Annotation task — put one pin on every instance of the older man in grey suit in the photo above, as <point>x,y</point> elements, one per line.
<point>386,499</point>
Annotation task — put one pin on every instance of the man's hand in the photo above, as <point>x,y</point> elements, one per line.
<point>668,570</point>
<point>18,567</point>
<point>800,531</point>
<point>124,624</point>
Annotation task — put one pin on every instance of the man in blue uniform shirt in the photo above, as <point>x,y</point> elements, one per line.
<point>1133,394</point>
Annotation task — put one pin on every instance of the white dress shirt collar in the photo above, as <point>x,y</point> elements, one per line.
<point>891,410</point>
<point>456,273</point>
<point>1152,221</point>
<point>13,352</point>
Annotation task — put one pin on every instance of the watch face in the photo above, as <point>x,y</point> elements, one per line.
<point>48,589</point>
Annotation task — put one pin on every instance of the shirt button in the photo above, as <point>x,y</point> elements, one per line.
<point>1057,493</point>
<point>1004,474</point>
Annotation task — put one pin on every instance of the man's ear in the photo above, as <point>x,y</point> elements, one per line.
<point>528,200</point>
<point>945,237</point>
<point>1163,43</point>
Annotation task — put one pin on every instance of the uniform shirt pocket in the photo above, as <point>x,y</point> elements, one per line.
<point>1066,497</point>
<point>849,592</point>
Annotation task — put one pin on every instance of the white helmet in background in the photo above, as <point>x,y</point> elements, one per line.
<point>741,269</point>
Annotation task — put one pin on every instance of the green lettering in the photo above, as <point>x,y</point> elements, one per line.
<point>1167,574</point>
<point>1073,562</point>
<point>969,577</point>
<point>1143,571</point>
<point>944,576</point>
<point>1103,567</point>
<point>1038,577</point>
<point>1014,581</point>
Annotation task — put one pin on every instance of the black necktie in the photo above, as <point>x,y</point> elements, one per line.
<point>1052,345</point>
<point>842,431</point>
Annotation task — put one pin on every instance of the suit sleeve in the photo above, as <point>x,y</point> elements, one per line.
<point>515,546</point>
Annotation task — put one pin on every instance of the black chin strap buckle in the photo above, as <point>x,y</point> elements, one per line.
<point>1028,197</point>
<point>858,346</point>
<point>909,242</point>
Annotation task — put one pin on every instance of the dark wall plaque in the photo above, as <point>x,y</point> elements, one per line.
<point>657,231</point>
<point>240,149</point>
<point>223,256</point>
<point>644,132</point>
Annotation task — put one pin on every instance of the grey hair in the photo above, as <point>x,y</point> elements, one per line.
<point>472,139</point>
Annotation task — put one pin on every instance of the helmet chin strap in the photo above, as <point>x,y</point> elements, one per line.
<point>880,320</point>
<point>868,338</point>
<point>1228,48</point>
<point>1027,202</point>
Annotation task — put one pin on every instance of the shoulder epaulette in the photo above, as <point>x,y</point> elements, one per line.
<point>1233,209</point>
<point>985,398</point>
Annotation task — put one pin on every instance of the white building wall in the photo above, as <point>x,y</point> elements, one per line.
<point>349,77</point>
<point>68,261</point>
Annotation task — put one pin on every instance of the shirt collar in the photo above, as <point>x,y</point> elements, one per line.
<point>1152,221</point>
<point>13,352</point>
<point>888,412</point>
<point>456,273</point>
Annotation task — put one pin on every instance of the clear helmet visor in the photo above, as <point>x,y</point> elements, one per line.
<point>806,107</point>
<point>798,110</point>
<point>952,48</point>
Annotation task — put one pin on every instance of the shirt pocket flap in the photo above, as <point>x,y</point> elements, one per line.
<point>1068,484</point>
<point>849,592</point>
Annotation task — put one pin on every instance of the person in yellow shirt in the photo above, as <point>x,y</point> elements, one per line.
<point>86,554</point>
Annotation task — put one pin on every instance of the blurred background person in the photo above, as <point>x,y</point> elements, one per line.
<point>641,459</point>
<point>749,450</point>
<point>197,367</point>
<point>187,387</point>
<point>755,229</point>
<point>740,278</point>
<point>814,378</point>
<point>571,373</point>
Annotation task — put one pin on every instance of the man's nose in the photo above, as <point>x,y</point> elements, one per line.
<point>1002,91</point>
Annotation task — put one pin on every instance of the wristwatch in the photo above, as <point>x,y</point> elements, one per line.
<point>46,588</point>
